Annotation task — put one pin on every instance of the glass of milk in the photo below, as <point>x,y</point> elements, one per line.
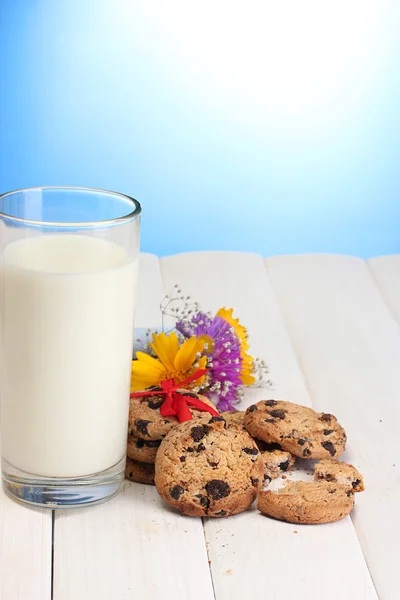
<point>68,272</point>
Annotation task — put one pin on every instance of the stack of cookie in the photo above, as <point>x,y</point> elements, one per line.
<point>146,430</point>
<point>216,465</point>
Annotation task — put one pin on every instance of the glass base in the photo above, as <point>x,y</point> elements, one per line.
<point>62,493</point>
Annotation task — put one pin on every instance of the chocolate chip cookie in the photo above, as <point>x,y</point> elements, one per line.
<point>276,462</point>
<point>338,472</point>
<point>142,450</point>
<point>306,502</point>
<point>139,472</point>
<point>145,420</point>
<point>298,429</point>
<point>208,469</point>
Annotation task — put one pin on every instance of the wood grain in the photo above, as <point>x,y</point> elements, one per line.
<point>251,555</point>
<point>348,346</point>
<point>133,546</point>
<point>25,552</point>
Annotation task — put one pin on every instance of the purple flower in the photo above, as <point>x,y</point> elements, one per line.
<point>224,362</point>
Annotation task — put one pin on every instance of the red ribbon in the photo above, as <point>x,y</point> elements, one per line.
<point>178,404</point>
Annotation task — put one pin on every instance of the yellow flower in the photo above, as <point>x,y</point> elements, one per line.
<point>247,361</point>
<point>172,362</point>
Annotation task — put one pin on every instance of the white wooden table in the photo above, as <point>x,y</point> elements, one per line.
<point>329,328</point>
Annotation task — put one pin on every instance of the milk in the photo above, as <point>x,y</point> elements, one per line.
<point>67,309</point>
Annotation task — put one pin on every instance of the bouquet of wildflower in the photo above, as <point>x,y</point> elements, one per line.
<point>199,341</point>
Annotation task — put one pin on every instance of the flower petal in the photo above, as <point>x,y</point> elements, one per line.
<point>247,369</point>
<point>240,331</point>
<point>149,361</point>
<point>166,347</point>
<point>208,342</point>
<point>247,379</point>
<point>146,371</point>
<point>144,376</point>
<point>187,353</point>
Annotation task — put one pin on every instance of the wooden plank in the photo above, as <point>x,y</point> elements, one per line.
<point>348,346</point>
<point>251,555</point>
<point>25,551</point>
<point>386,272</point>
<point>132,547</point>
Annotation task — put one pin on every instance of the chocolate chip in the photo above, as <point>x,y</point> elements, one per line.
<point>154,388</point>
<point>329,477</point>
<point>152,443</point>
<point>166,422</point>
<point>270,403</point>
<point>198,432</point>
<point>267,478</point>
<point>306,452</point>
<point>329,447</point>
<point>252,408</point>
<point>176,492</point>
<point>255,481</point>
<point>221,513</point>
<point>301,442</point>
<point>130,474</point>
<point>356,483</point>
<point>141,426</point>
<point>154,404</point>
<point>200,447</point>
<point>190,449</point>
<point>328,431</point>
<point>349,493</point>
<point>325,417</point>
<point>204,501</point>
<point>277,413</point>
<point>182,458</point>
<point>213,464</point>
<point>284,465</point>
<point>139,443</point>
<point>190,394</point>
<point>252,451</point>
<point>215,419</point>
<point>217,489</point>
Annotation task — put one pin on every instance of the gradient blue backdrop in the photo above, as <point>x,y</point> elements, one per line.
<point>270,127</point>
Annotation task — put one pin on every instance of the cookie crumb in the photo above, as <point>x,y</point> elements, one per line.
<point>295,531</point>
<point>229,572</point>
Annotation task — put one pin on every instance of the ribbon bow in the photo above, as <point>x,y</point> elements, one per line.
<point>178,404</point>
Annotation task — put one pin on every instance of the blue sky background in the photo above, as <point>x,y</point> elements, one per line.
<point>269,127</point>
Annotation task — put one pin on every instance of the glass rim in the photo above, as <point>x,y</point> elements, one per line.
<point>107,222</point>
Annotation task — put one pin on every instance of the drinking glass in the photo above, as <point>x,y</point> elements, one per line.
<point>68,271</point>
